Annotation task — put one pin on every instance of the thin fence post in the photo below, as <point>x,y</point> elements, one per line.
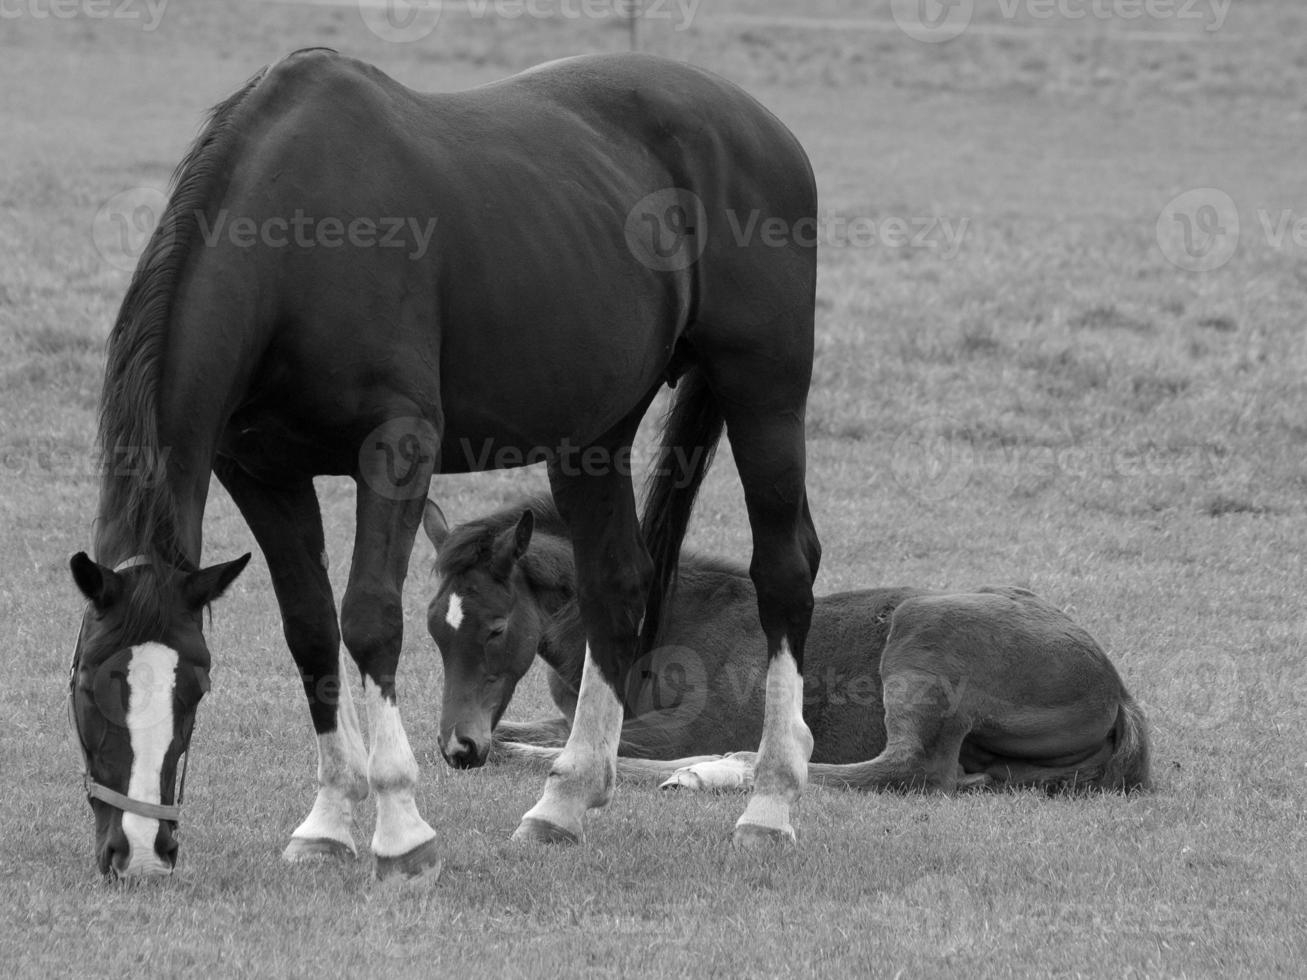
<point>633,12</point>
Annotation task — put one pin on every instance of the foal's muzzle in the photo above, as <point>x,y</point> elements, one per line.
<point>463,753</point>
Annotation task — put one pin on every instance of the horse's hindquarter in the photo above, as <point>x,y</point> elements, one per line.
<point>469,253</point>
<point>1030,681</point>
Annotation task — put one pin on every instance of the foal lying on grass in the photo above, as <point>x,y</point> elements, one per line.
<point>939,691</point>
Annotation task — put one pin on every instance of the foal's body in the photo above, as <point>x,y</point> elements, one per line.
<point>936,689</point>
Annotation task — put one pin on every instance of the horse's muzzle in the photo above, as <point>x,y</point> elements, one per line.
<point>118,860</point>
<point>464,753</point>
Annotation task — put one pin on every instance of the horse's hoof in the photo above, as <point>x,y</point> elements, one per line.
<point>752,836</point>
<point>317,849</point>
<point>418,861</point>
<point>543,832</point>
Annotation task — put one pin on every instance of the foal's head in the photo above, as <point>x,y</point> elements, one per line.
<point>486,621</point>
<point>139,671</point>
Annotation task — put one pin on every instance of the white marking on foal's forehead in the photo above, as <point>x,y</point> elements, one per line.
<point>151,676</point>
<point>454,615</point>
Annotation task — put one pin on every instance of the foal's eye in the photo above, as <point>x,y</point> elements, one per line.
<point>496,630</point>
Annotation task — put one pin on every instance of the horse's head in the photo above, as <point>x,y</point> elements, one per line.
<point>139,671</point>
<point>487,627</point>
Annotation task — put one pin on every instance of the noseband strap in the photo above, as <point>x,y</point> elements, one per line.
<point>155,811</point>
<point>98,791</point>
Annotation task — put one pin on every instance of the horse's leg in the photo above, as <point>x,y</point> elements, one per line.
<point>762,402</point>
<point>372,623</point>
<point>287,524</point>
<point>928,714</point>
<point>613,575</point>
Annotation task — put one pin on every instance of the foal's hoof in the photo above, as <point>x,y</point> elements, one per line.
<point>317,849</point>
<point>421,859</point>
<point>753,837</point>
<point>543,832</point>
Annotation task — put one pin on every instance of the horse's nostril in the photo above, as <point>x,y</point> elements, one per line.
<point>462,753</point>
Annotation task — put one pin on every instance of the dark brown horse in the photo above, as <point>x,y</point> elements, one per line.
<point>937,690</point>
<point>354,278</point>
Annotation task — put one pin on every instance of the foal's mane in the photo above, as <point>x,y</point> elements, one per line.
<point>137,512</point>
<point>547,564</point>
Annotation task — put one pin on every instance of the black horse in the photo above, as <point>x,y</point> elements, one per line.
<point>353,278</point>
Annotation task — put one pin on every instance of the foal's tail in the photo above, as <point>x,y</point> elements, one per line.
<point>691,431</point>
<point>1129,767</point>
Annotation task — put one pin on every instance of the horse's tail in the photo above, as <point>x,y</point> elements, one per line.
<point>1129,767</point>
<point>691,431</point>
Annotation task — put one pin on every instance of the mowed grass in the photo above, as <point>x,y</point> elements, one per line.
<point>1051,404</point>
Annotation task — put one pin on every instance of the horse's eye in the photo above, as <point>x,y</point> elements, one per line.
<point>496,629</point>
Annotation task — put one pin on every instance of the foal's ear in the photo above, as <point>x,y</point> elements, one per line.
<point>434,523</point>
<point>202,587</point>
<point>99,584</point>
<point>522,534</point>
<point>512,544</point>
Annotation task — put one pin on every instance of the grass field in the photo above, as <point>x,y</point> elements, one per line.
<point>1038,395</point>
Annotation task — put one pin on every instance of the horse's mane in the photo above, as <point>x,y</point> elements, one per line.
<point>138,514</point>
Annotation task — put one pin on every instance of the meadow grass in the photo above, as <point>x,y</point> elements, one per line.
<point>1053,404</point>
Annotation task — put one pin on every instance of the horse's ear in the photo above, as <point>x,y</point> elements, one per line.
<point>206,585</point>
<point>434,523</point>
<point>99,584</point>
<point>522,534</point>
<point>512,544</point>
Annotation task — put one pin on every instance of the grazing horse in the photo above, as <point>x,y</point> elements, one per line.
<point>354,278</point>
<point>937,690</point>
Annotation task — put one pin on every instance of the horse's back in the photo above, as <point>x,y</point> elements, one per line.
<point>499,233</point>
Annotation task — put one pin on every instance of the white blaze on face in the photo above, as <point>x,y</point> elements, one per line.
<point>151,676</point>
<point>454,615</point>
